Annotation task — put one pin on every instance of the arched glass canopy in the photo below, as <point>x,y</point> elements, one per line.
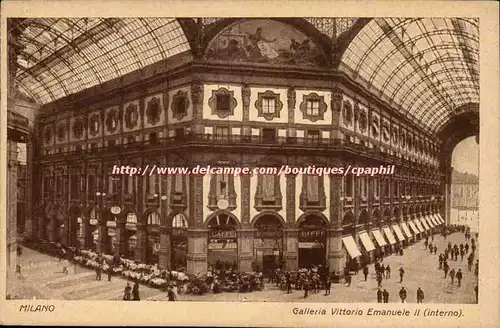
<point>62,56</point>
<point>427,68</point>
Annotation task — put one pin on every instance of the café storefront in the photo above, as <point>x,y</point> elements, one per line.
<point>312,242</point>
<point>222,241</point>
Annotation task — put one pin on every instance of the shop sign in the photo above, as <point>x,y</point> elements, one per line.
<point>310,245</point>
<point>93,222</point>
<point>223,234</point>
<point>131,226</point>
<point>111,224</point>
<point>222,244</point>
<point>311,235</point>
<point>262,233</point>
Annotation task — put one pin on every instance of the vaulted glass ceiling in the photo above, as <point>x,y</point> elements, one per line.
<point>62,56</point>
<point>427,68</point>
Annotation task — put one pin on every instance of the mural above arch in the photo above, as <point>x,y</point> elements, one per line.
<point>264,41</point>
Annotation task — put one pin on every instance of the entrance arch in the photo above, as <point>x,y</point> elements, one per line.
<point>268,242</point>
<point>179,242</point>
<point>152,236</point>
<point>312,240</point>
<point>222,240</point>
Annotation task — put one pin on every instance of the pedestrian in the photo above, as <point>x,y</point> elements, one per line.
<point>466,247</point>
<point>425,243</point>
<point>379,295</point>
<point>328,285</point>
<point>74,267</point>
<point>126,293</point>
<point>452,275</point>
<point>432,237</point>
<point>288,283</point>
<point>135,292</point>
<point>385,295</point>
<point>459,277</point>
<point>98,273</point>
<point>473,248</point>
<point>402,294</point>
<point>18,271</point>
<point>387,272</point>
<point>462,253</point>
<point>109,272</point>
<point>435,249</point>
<point>348,279</point>
<point>379,280</point>
<point>172,296</point>
<point>365,271</point>
<point>440,261</point>
<point>306,287</point>
<point>445,268</point>
<point>420,295</point>
<point>401,274</point>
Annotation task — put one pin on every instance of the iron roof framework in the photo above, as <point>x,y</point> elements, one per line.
<point>428,68</point>
<point>62,56</point>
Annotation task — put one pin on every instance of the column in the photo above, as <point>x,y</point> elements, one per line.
<point>164,254</point>
<point>245,95</point>
<point>291,101</point>
<point>446,203</point>
<point>142,241</point>
<point>12,207</point>
<point>120,243</point>
<point>335,258</point>
<point>197,234</point>
<point>336,105</point>
<point>245,233</point>
<point>31,227</point>
<point>291,233</point>
<point>197,99</point>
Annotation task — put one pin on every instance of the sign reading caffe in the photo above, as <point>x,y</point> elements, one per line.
<point>220,239</point>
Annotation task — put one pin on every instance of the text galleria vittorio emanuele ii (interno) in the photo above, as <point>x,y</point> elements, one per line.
<point>235,93</point>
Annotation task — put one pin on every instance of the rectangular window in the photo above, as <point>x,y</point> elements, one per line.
<point>313,135</point>
<point>223,103</point>
<point>268,105</point>
<point>180,106</point>
<point>349,185</point>
<point>269,135</point>
<point>312,108</point>
<point>221,133</point>
<point>153,138</point>
<point>179,133</point>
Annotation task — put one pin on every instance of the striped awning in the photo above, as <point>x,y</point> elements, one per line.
<point>389,235</point>
<point>414,227</point>
<point>406,230</point>
<point>398,232</point>
<point>366,241</point>
<point>351,247</point>
<point>379,238</point>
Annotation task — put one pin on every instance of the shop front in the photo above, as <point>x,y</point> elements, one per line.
<point>312,242</point>
<point>130,235</point>
<point>222,242</point>
<point>93,231</point>
<point>153,237</point>
<point>268,244</point>
<point>179,242</point>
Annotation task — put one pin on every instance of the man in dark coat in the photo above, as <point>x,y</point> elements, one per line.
<point>365,270</point>
<point>135,292</point>
<point>385,294</point>
<point>402,294</point>
<point>440,261</point>
<point>459,277</point>
<point>288,282</point>
<point>328,284</point>
<point>379,295</point>
<point>452,275</point>
<point>401,274</point>
<point>420,295</point>
<point>476,290</point>
<point>445,269</point>
<point>387,272</point>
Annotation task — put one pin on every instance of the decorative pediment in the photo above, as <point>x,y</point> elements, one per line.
<point>313,107</point>
<point>153,111</point>
<point>78,128</point>
<point>268,105</point>
<point>222,103</point>
<point>131,116</point>
<point>112,120</point>
<point>180,105</point>
<point>265,41</point>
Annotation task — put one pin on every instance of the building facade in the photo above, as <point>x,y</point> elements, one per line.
<point>234,106</point>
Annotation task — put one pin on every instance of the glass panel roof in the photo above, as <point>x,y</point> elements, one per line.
<point>426,67</point>
<point>62,56</point>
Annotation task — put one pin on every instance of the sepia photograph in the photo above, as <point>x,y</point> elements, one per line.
<point>319,161</point>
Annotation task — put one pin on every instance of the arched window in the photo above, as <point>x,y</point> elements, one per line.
<point>179,221</point>
<point>153,218</point>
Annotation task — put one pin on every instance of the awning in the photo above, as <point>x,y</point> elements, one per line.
<point>414,227</point>
<point>366,241</point>
<point>351,246</point>
<point>441,218</point>
<point>433,219</point>
<point>406,230</point>
<point>424,223</point>
<point>429,222</point>
<point>389,235</point>
<point>398,232</point>
<point>379,238</point>
<point>419,225</point>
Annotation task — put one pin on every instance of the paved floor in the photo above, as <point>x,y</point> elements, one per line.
<point>43,279</point>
